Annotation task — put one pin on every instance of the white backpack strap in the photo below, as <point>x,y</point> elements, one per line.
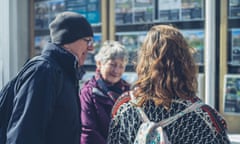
<point>140,110</point>
<point>143,114</point>
<point>191,108</point>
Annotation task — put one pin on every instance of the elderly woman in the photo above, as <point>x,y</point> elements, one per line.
<point>99,94</point>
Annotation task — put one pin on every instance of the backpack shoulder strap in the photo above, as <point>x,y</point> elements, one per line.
<point>124,98</point>
<point>196,105</point>
<point>143,114</point>
<point>140,110</point>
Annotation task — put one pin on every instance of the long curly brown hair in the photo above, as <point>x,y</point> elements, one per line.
<point>165,67</point>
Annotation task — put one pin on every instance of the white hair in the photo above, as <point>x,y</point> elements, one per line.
<point>111,50</point>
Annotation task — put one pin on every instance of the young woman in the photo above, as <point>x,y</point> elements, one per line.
<point>99,94</point>
<point>166,85</point>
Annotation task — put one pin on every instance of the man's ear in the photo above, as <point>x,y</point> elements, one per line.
<point>66,46</point>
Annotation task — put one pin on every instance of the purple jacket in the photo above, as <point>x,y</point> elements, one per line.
<point>96,107</point>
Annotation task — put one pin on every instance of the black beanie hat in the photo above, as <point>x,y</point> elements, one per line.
<point>68,27</point>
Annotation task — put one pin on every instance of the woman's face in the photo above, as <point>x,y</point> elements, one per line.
<point>112,70</point>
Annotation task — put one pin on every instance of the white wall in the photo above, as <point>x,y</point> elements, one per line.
<point>4,39</point>
<point>14,37</point>
<point>1,73</point>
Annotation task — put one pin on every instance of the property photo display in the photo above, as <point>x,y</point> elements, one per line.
<point>40,42</point>
<point>89,8</point>
<point>195,38</point>
<point>234,9</point>
<point>132,12</point>
<point>132,41</point>
<point>180,10</point>
<point>231,99</point>
<point>46,10</point>
<point>235,48</point>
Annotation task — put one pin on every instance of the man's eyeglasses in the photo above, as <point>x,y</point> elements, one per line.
<point>89,42</point>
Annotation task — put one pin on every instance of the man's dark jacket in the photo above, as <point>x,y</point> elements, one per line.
<point>46,106</point>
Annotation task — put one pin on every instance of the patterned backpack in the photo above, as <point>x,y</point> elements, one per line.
<point>151,132</point>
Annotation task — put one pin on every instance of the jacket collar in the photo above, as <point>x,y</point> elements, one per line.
<point>65,59</point>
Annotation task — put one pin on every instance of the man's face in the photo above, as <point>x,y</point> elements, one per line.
<point>80,48</point>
